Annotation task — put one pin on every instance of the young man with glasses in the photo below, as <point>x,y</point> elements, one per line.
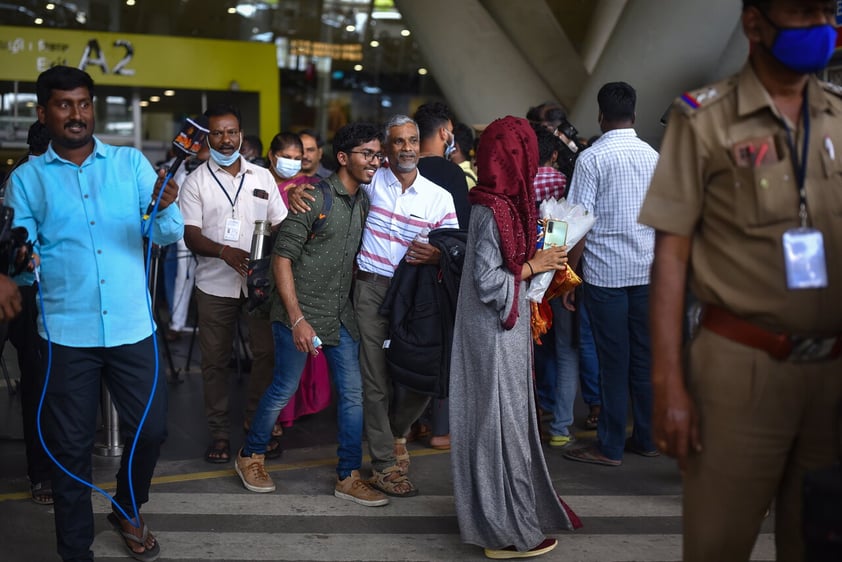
<point>403,204</point>
<point>313,264</point>
<point>220,202</point>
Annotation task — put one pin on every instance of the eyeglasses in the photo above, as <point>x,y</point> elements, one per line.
<point>369,155</point>
<point>216,135</point>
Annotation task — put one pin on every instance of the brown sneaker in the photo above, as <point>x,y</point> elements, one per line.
<point>355,489</point>
<point>253,474</point>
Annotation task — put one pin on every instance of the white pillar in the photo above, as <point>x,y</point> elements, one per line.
<point>532,27</point>
<point>662,49</point>
<point>481,73</point>
<point>606,15</point>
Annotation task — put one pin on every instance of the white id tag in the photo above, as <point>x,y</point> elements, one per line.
<point>806,267</point>
<point>232,229</point>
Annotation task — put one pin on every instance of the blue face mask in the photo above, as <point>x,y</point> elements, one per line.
<point>450,148</point>
<point>222,159</point>
<point>803,49</point>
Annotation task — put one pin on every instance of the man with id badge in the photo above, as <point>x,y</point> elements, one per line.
<point>221,200</point>
<point>747,201</point>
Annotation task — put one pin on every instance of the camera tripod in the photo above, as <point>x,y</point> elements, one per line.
<point>174,373</point>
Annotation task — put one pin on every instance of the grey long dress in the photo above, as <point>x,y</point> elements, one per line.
<point>503,492</point>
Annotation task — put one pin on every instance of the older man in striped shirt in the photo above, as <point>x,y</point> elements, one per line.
<point>404,206</point>
<point>610,180</point>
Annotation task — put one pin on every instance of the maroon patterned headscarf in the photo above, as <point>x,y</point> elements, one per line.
<point>507,161</point>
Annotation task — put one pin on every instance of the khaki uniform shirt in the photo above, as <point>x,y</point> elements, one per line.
<point>737,209</point>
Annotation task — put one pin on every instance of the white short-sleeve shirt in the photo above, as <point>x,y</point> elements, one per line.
<point>210,198</point>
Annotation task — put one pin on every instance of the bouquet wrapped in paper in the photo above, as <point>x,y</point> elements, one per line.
<point>550,284</point>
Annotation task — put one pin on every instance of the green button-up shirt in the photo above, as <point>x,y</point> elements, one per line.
<point>322,265</point>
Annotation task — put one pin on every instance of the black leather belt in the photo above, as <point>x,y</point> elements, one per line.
<point>373,278</point>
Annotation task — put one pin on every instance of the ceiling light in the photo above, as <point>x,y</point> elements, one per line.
<point>169,92</point>
<point>386,15</point>
<point>50,6</point>
<point>144,103</point>
<point>232,10</point>
<point>10,162</point>
<point>38,21</point>
<point>154,99</point>
<point>81,17</point>
<point>358,67</point>
<point>405,33</point>
<point>350,28</point>
<point>375,43</point>
<point>129,2</point>
<point>245,10</point>
<point>422,71</point>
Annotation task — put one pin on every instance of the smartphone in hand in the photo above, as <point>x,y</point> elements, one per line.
<point>555,234</point>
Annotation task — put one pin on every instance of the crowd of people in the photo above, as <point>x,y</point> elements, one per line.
<point>740,209</point>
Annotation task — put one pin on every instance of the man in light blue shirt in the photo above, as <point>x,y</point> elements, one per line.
<point>82,203</point>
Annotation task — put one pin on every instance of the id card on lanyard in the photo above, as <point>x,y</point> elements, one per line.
<point>232,225</point>
<point>803,247</point>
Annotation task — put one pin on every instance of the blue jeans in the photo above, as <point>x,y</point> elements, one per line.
<point>588,361</point>
<point>343,360</point>
<point>545,371</point>
<point>620,322</point>
<point>566,368</point>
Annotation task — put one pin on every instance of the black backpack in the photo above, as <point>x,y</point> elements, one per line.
<point>260,282</point>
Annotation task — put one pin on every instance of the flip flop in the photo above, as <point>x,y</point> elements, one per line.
<point>148,554</point>
<point>218,452</point>
<point>592,455</point>
<point>42,492</point>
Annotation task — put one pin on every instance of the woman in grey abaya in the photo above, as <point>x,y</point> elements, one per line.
<point>505,501</point>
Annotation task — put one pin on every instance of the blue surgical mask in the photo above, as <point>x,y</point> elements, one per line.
<point>450,148</point>
<point>804,50</point>
<point>287,167</point>
<point>223,160</point>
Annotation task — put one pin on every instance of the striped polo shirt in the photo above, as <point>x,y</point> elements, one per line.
<point>396,217</point>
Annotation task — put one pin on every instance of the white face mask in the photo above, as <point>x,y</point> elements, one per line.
<point>287,167</point>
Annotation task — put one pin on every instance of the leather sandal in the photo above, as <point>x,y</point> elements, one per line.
<point>392,483</point>
<point>274,450</point>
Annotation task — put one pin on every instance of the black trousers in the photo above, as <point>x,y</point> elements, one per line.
<point>22,332</point>
<point>69,424</point>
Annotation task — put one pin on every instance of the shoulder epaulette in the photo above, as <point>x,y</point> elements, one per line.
<point>832,88</point>
<point>694,100</point>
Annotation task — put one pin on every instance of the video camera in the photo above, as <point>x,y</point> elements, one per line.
<point>572,146</point>
<point>15,250</point>
<point>552,116</point>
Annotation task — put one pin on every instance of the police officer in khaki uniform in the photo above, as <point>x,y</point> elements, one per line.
<point>747,204</point>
